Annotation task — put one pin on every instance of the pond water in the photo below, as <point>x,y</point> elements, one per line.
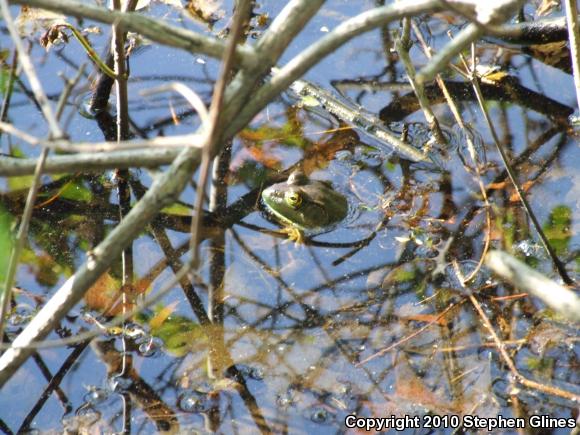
<point>368,317</point>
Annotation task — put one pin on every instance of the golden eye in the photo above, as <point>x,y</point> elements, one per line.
<point>293,199</point>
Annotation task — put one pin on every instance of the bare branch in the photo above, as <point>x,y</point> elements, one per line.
<point>145,158</point>
<point>316,52</point>
<point>154,29</point>
<point>524,278</point>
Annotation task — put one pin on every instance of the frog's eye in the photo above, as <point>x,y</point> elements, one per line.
<point>293,199</point>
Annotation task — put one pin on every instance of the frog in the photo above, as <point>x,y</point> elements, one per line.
<point>305,205</point>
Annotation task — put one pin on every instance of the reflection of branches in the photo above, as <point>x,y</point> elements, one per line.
<point>508,360</point>
<point>140,391</point>
<point>358,312</point>
<point>523,158</point>
<point>411,336</point>
<point>521,194</point>
<point>172,255</point>
<point>312,317</point>
<point>507,90</point>
<point>54,384</point>
<point>55,132</point>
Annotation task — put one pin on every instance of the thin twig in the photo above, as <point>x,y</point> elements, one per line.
<point>122,175</point>
<point>556,261</point>
<point>363,120</point>
<point>555,391</point>
<point>440,61</point>
<point>26,63</point>
<point>9,89</point>
<point>55,131</point>
<point>402,45</point>
<point>470,147</point>
<point>414,334</point>
<point>118,48</point>
<point>344,32</point>
<point>194,140</point>
<point>214,126</point>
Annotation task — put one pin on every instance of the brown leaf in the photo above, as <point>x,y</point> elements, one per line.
<point>208,11</point>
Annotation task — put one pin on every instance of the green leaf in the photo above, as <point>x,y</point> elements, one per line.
<point>558,229</point>
<point>76,191</point>
<point>177,209</point>
<point>6,242</point>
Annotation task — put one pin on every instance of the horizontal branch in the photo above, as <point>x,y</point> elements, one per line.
<point>152,28</point>
<point>150,158</point>
<point>533,32</point>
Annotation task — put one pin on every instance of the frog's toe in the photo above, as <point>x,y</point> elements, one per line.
<point>294,235</point>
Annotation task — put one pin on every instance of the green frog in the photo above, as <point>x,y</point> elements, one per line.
<point>303,204</point>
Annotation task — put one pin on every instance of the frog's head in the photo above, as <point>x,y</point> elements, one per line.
<point>305,204</point>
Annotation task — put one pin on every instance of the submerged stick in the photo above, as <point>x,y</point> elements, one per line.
<point>360,118</point>
<point>524,278</point>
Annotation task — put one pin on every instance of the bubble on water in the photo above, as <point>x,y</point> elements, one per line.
<point>96,395</point>
<point>194,402</point>
<point>21,315</point>
<point>528,248</point>
<point>286,399</point>
<point>87,411</point>
<point>257,373</point>
<point>85,107</point>
<point>120,383</point>
<point>151,347</point>
<point>244,369</point>
<point>343,155</point>
<point>319,415</point>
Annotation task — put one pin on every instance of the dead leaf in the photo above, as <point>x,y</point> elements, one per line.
<point>208,11</point>
<point>162,315</point>
<point>547,7</point>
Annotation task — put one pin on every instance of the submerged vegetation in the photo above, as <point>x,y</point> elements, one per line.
<point>158,158</point>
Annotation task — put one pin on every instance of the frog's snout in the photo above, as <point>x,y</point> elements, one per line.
<point>272,195</point>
